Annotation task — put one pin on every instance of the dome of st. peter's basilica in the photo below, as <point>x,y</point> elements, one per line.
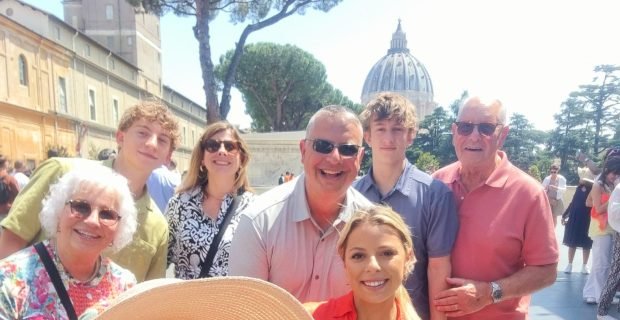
<point>399,71</point>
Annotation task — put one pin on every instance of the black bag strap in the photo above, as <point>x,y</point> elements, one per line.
<point>206,265</point>
<point>50,267</point>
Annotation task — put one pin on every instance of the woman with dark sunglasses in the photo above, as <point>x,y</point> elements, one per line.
<point>88,212</point>
<point>555,186</point>
<point>204,213</point>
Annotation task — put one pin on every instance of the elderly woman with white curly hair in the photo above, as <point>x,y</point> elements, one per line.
<point>89,211</point>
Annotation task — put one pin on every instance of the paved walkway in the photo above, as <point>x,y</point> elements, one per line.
<point>563,299</point>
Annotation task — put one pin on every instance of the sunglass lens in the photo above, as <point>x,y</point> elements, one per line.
<point>108,215</point>
<point>323,146</point>
<point>81,207</point>
<point>348,149</point>
<point>229,146</point>
<point>212,145</point>
<point>486,129</point>
<point>464,128</point>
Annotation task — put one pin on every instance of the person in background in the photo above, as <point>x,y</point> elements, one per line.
<point>20,174</point>
<point>208,202</point>
<point>161,185</point>
<point>147,135</point>
<point>175,175</point>
<point>52,153</point>
<point>576,220</point>
<point>555,186</point>
<point>376,249</point>
<point>9,185</point>
<point>610,179</point>
<point>281,179</point>
<point>88,211</point>
<point>506,246</point>
<point>426,204</point>
<point>600,231</point>
<point>288,235</point>
<point>106,154</point>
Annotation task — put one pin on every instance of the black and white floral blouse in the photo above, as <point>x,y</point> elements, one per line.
<point>191,233</point>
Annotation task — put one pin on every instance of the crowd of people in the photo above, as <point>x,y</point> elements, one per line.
<point>472,241</point>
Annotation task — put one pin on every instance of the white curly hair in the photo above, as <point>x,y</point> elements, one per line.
<point>98,175</point>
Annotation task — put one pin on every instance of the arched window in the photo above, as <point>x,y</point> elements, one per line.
<point>23,70</point>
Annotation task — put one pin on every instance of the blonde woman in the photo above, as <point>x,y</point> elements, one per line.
<point>376,248</point>
<point>207,204</point>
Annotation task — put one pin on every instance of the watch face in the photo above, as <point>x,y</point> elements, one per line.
<point>496,292</point>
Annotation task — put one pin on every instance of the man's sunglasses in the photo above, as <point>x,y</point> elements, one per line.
<point>466,128</point>
<point>326,147</point>
<point>213,146</point>
<point>83,209</point>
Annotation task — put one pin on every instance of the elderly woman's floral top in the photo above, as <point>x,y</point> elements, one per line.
<point>26,291</point>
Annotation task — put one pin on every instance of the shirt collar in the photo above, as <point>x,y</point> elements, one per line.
<point>346,306</point>
<point>367,182</point>
<point>497,178</point>
<point>300,202</point>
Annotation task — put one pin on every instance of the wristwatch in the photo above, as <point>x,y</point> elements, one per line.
<point>496,292</point>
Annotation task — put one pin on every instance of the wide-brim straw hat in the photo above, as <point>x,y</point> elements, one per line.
<point>585,174</point>
<point>226,298</point>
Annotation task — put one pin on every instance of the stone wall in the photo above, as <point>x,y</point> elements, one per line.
<point>272,154</point>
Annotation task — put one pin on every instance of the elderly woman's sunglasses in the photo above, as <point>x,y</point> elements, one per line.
<point>326,147</point>
<point>83,209</point>
<point>213,146</point>
<point>466,128</point>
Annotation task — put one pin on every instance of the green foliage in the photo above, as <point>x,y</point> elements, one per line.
<point>599,101</point>
<point>260,13</point>
<point>427,162</point>
<point>522,142</point>
<point>574,132</point>
<point>435,136</point>
<point>534,172</point>
<point>282,86</point>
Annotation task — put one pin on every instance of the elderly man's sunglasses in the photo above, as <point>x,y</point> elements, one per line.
<point>213,146</point>
<point>326,147</point>
<point>485,129</point>
<point>83,209</point>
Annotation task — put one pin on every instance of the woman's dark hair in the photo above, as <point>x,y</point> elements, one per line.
<point>612,165</point>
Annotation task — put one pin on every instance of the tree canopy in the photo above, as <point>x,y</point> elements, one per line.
<point>259,13</point>
<point>282,85</point>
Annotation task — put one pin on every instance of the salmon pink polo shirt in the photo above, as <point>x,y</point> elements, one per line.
<point>505,224</point>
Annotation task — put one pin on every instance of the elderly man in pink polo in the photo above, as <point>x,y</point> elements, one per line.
<point>506,246</point>
<point>288,236</point>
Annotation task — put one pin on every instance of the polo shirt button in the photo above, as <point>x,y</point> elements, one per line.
<point>316,277</point>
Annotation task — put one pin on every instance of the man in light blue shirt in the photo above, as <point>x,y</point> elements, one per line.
<point>161,185</point>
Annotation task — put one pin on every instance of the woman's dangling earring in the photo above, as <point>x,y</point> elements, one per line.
<point>203,169</point>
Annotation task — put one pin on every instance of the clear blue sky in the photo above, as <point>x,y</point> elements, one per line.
<point>530,54</point>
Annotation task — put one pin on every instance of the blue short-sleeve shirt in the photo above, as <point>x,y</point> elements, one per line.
<point>427,206</point>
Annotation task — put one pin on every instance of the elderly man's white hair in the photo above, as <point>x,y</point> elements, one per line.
<point>100,176</point>
<point>486,101</point>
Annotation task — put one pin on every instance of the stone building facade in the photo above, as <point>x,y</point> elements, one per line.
<point>60,86</point>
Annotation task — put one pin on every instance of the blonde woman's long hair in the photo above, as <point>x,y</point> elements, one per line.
<point>384,216</point>
<point>198,177</point>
